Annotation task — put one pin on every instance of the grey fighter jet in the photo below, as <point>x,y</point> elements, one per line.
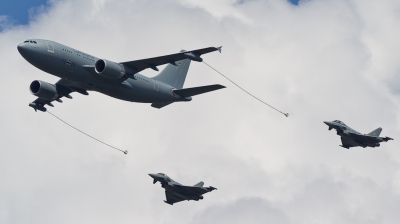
<point>176,192</point>
<point>353,138</point>
<point>81,72</point>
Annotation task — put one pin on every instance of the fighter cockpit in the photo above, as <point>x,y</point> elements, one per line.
<point>337,121</point>
<point>163,174</point>
<point>30,41</point>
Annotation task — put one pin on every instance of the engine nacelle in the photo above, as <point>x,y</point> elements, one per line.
<point>44,90</point>
<point>109,69</point>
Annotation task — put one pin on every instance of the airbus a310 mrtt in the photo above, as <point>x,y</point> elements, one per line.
<point>353,138</point>
<point>81,72</point>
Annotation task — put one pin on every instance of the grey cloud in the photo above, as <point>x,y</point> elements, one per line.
<point>246,210</point>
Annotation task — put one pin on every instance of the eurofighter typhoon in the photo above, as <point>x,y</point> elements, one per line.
<point>353,138</point>
<point>176,192</point>
<point>81,72</point>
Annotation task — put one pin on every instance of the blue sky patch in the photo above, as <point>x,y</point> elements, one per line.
<point>294,2</point>
<point>17,10</point>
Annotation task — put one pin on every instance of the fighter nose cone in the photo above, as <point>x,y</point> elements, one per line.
<point>153,175</point>
<point>327,122</point>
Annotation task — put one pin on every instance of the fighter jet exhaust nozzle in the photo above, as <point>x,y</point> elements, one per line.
<point>109,69</point>
<point>44,90</point>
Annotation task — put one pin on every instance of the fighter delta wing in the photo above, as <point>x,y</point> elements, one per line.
<point>353,138</point>
<point>176,192</point>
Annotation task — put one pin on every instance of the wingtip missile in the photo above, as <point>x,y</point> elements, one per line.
<point>387,139</point>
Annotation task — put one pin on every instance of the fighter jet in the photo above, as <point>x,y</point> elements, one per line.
<point>81,72</point>
<point>176,192</point>
<point>353,138</point>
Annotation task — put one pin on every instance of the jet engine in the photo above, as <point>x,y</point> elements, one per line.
<point>44,90</point>
<point>109,69</point>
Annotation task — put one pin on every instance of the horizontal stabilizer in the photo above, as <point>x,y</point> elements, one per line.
<point>199,184</point>
<point>160,104</point>
<point>197,90</point>
<point>376,132</point>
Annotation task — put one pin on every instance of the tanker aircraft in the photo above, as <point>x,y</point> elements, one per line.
<point>353,138</point>
<point>176,192</point>
<point>81,72</point>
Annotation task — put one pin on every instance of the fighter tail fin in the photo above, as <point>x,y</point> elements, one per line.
<point>174,74</point>
<point>376,132</point>
<point>199,184</point>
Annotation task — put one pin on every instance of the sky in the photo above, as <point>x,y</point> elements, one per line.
<point>318,60</point>
<point>18,11</point>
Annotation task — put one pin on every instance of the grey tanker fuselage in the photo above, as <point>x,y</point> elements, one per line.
<point>80,71</point>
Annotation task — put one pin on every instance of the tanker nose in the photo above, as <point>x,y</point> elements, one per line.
<point>20,48</point>
<point>23,49</point>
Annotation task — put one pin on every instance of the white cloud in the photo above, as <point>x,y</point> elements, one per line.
<point>321,60</point>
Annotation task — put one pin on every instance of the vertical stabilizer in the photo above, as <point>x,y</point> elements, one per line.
<point>199,184</point>
<point>376,132</point>
<point>174,75</point>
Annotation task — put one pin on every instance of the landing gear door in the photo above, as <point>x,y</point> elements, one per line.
<point>50,46</point>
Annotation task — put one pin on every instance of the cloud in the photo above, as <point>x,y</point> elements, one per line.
<point>321,60</point>
<point>247,210</point>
